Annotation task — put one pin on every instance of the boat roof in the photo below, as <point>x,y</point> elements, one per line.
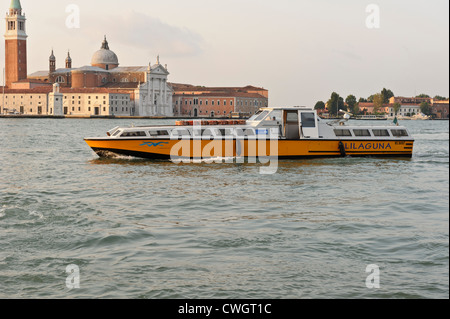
<point>302,108</point>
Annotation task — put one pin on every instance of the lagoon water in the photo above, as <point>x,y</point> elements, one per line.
<point>153,229</point>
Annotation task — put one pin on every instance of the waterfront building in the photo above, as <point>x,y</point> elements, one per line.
<point>106,88</point>
<point>410,106</point>
<point>440,109</point>
<point>101,88</point>
<point>147,86</point>
<point>200,101</point>
<point>73,102</point>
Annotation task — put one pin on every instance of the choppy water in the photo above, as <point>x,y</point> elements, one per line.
<point>146,229</point>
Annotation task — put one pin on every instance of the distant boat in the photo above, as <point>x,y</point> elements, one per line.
<point>371,117</point>
<point>420,116</point>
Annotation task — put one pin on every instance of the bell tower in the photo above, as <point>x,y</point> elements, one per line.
<point>15,44</point>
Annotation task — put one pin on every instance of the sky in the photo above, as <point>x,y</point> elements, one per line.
<point>299,50</point>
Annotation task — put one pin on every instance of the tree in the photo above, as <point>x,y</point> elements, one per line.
<point>362,100</point>
<point>387,94</point>
<point>378,102</point>
<point>440,98</point>
<point>396,107</point>
<point>319,106</point>
<point>425,108</point>
<point>351,103</point>
<point>423,95</point>
<point>335,103</point>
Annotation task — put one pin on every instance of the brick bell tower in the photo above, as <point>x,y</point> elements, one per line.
<point>15,44</point>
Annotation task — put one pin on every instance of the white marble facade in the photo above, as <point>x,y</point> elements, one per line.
<point>154,97</point>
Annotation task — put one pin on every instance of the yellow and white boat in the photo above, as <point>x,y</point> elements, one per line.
<point>294,132</point>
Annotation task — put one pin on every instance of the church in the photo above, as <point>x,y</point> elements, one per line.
<point>105,88</point>
<point>141,90</point>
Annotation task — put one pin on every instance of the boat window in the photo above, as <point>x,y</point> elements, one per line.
<point>249,132</point>
<point>342,132</point>
<point>176,133</point>
<point>116,133</point>
<point>261,116</point>
<point>361,132</point>
<point>399,133</point>
<point>253,118</point>
<point>274,116</point>
<point>159,133</point>
<point>208,133</point>
<point>308,120</point>
<point>133,134</point>
<point>380,132</point>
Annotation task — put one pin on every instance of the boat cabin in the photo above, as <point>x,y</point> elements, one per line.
<point>296,123</point>
<point>293,123</point>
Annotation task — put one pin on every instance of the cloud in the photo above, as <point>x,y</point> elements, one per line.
<point>146,33</point>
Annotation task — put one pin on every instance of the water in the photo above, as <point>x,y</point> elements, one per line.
<point>150,229</point>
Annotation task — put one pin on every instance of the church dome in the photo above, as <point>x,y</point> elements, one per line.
<point>105,56</point>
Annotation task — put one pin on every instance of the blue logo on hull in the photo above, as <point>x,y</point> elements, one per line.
<point>150,144</point>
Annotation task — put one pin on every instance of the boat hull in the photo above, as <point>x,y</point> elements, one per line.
<point>207,149</point>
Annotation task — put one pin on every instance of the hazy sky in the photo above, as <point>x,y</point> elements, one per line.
<point>300,50</point>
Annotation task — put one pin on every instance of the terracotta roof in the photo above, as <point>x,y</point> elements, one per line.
<point>222,95</point>
<point>193,88</point>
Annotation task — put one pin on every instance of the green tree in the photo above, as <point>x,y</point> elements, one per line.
<point>425,108</point>
<point>319,105</point>
<point>362,100</point>
<point>423,95</point>
<point>378,102</point>
<point>440,98</point>
<point>335,103</point>
<point>352,103</point>
<point>387,94</point>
